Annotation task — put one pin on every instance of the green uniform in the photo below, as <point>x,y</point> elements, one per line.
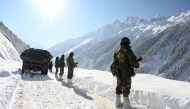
<point>127,62</point>
<point>61,65</point>
<point>57,65</point>
<point>71,65</point>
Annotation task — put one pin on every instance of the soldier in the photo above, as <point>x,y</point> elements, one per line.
<point>127,62</point>
<point>71,65</point>
<point>56,66</point>
<point>62,65</point>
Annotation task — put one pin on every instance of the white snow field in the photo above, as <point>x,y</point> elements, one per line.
<point>91,89</point>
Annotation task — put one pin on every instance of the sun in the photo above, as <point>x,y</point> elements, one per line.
<point>50,7</point>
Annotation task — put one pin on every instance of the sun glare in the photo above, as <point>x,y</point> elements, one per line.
<point>50,7</point>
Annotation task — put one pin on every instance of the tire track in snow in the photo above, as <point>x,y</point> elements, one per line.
<point>14,93</point>
<point>52,100</point>
<point>18,102</point>
<point>40,92</point>
<point>24,98</point>
<point>44,92</point>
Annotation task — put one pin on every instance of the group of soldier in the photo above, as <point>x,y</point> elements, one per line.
<point>126,60</point>
<point>60,64</point>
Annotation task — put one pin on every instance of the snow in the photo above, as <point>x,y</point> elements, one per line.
<point>91,89</point>
<point>180,16</point>
<point>7,48</point>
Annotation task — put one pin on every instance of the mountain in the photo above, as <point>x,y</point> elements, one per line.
<point>8,51</point>
<point>95,50</point>
<point>167,54</point>
<point>17,42</point>
<point>34,44</point>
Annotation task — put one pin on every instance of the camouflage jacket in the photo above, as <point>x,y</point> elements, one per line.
<point>56,63</point>
<point>129,62</point>
<point>70,62</point>
<point>61,62</point>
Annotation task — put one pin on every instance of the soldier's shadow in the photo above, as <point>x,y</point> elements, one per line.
<point>79,91</point>
<point>58,79</point>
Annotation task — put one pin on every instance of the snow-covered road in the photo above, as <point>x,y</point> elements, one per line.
<point>47,92</point>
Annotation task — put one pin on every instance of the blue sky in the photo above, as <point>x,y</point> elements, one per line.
<point>75,18</point>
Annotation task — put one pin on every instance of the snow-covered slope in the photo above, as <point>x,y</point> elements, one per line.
<point>9,56</point>
<point>7,50</point>
<point>16,42</point>
<point>167,54</point>
<point>9,63</point>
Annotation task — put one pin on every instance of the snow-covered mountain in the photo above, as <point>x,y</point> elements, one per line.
<point>17,42</point>
<point>95,50</point>
<point>34,44</point>
<point>167,54</point>
<point>8,53</point>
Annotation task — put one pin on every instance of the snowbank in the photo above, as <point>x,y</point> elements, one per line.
<point>147,91</point>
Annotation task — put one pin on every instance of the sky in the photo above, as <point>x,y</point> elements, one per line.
<point>50,22</point>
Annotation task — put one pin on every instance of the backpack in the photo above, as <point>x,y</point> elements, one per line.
<point>120,55</point>
<point>114,67</point>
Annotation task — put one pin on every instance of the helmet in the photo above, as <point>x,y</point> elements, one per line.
<point>71,54</point>
<point>125,40</point>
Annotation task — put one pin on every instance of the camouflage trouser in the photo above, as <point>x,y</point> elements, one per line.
<point>123,87</point>
<point>70,72</point>
<point>56,70</point>
<point>61,71</point>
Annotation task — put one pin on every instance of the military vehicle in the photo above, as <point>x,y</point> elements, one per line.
<point>35,60</point>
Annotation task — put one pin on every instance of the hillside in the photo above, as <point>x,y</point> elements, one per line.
<point>167,53</point>
<point>9,56</point>
<point>13,38</point>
